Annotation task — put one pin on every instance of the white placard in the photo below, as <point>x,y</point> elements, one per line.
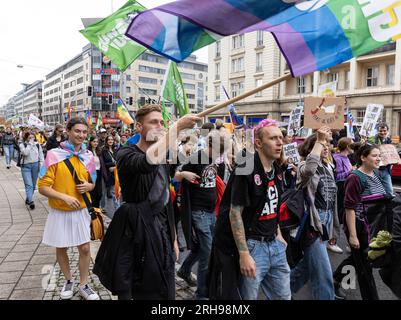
<point>35,122</point>
<point>294,123</point>
<point>327,90</point>
<point>373,112</point>
<point>291,153</point>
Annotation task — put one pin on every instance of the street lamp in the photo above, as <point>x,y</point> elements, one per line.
<point>24,85</point>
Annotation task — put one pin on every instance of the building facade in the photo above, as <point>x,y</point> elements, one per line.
<point>144,80</point>
<point>242,62</point>
<point>29,100</point>
<point>89,81</point>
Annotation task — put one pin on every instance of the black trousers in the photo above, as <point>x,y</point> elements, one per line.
<point>359,259</point>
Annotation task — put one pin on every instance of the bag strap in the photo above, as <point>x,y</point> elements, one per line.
<point>77,182</point>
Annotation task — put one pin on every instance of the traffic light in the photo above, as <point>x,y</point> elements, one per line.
<point>89,91</point>
<point>110,99</point>
<point>131,101</point>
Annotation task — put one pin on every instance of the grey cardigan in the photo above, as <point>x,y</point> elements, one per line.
<point>308,177</point>
<point>31,153</point>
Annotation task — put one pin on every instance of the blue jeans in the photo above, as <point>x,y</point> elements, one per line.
<point>8,152</point>
<point>272,271</point>
<point>203,223</point>
<point>315,266</point>
<point>30,173</point>
<point>385,177</point>
<point>189,262</point>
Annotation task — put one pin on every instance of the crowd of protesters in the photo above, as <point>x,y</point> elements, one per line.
<point>224,189</point>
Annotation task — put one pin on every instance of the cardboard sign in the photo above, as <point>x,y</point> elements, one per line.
<point>291,153</point>
<point>321,112</point>
<point>372,114</point>
<point>389,155</point>
<point>294,123</point>
<point>327,90</point>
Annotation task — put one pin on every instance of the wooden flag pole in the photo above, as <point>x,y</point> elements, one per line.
<point>244,95</point>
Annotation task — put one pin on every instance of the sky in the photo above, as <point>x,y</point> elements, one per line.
<point>41,35</point>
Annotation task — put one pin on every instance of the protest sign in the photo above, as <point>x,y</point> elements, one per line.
<point>291,153</point>
<point>388,155</point>
<point>372,114</point>
<point>35,122</point>
<point>324,112</point>
<point>294,123</point>
<point>327,90</point>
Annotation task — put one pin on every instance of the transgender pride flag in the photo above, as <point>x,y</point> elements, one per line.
<point>313,35</point>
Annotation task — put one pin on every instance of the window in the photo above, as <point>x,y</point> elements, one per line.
<point>258,83</point>
<point>66,95</point>
<point>372,74</point>
<point>147,80</point>
<point>360,115</point>
<point>79,91</point>
<point>190,96</point>
<point>300,85</point>
<point>237,89</point>
<point>347,79</point>
<point>218,48</point>
<point>66,86</point>
<point>189,76</point>
<point>259,62</point>
<point>128,89</point>
<point>217,72</point>
<point>332,77</point>
<point>189,86</point>
<point>73,82</point>
<point>259,38</point>
<point>150,92</point>
<point>128,77</point>
<point>390,69</point>
<point>238,41</point>
<point>217,93</point>
<point>151,69</point>
<point>237,65</point>
<point>80,80</point>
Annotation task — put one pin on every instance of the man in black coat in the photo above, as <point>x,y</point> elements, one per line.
<point>136,259</point>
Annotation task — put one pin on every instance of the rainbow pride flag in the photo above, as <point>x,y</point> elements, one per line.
<point>123,114</point>
<point>312,35</point>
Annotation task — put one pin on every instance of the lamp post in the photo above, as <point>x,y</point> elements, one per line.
<point>24,85</point>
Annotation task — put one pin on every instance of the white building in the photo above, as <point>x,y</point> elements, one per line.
<point>243,62</point>
<point>29,100</point>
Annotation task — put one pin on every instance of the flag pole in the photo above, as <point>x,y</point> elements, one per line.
<point>245,95</point>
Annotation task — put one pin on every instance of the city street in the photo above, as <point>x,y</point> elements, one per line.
<point>28,269</point>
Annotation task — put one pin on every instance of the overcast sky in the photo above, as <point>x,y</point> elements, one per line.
<point>43,34</point>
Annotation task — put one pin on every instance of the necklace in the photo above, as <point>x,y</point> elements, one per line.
<point>270,175</point>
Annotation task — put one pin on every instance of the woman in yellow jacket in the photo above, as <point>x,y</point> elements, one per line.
<point>68,223</point>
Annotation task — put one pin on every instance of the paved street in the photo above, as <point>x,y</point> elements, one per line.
<point>28,269</point>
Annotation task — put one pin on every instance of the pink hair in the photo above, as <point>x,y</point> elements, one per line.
<point>262,124</point>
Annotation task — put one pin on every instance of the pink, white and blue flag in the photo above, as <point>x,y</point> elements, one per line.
<point>312,34</point>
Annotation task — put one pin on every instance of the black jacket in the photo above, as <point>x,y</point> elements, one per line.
<point>109,162</point>
<point>391,274</point>
<point>8,139</point>
<point>224,273</point>
<point>52,142</point>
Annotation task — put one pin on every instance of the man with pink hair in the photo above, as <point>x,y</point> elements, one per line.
<point>248,244</point>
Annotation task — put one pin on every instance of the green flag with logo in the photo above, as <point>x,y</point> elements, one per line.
<point>173,89</point>
<point>108,35</point>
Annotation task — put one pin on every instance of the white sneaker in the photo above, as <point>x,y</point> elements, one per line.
<point>68,290</point>
<point>334,248</point>
<point>87,293</point>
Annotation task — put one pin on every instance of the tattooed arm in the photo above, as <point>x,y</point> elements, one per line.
<point>247,264</point>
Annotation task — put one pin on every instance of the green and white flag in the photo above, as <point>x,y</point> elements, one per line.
<point>108,35</point>
<point>173,89</point>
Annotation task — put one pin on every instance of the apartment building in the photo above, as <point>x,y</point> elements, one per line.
<point>144,80</point>
<point>29,100</point>
<point>242,62</point>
